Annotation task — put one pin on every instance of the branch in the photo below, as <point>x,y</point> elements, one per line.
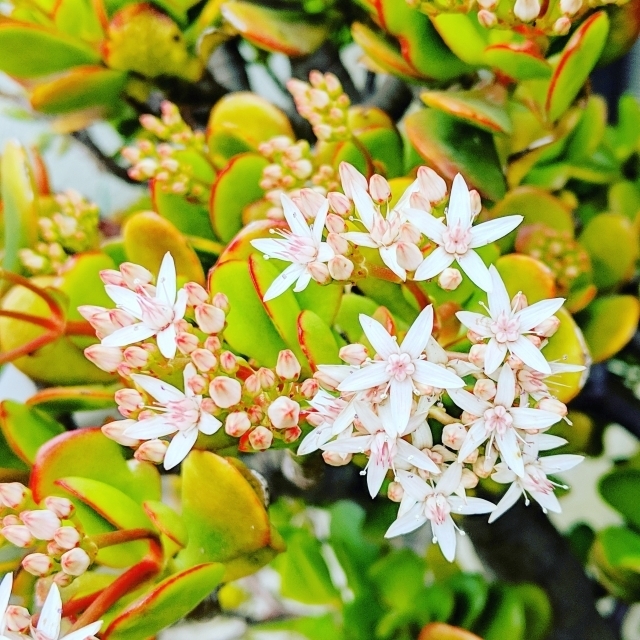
<point>105,161</point>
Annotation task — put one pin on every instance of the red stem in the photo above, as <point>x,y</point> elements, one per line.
<point>79,328</point>
<point>26,317</point>
<point>111,538</point>
<point>367,156</point>
<point>421,297</point>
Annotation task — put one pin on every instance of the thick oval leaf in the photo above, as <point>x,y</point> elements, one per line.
<point>519,61</point>
<point>464,35</point>
<point>471,592</point>
<point>537,611</point>
<point>623,31</point>
<point>58,400</point>
<point>576,62</point>
<point>237,186</point>
<point>528,275</point>
<point>167,521</point>
<point>240,247</point>
<point>620,490</point>
<point>166,603</point>
<point>347,321</point>
<point>31,51</point>
<point>323,300</point>
<point>588,134</point>
<point>450,146</point>
<point>317,340</point>
<point>615,556</point>
<point>190,218</point>
<point>504,618</point>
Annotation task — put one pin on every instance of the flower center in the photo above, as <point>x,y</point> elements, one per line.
<point>437,508</point>
<point>155,314</point>
<point>535,479</point>
<point>183,414</point>
<point>383,449</point>
<point>301,249</point>
<point>400,366</point>
<point>497,419</point>
<point>456,240</point>
<point>505,328</point>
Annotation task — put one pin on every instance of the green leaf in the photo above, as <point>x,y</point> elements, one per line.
<point>588,134</point>
<point>59,400</point>
<point>167,521</point>
<point>399,577</point>
<point>523,273</point>
<point>624,137</point>
<point>464,35</point>
<point>537,611</point>
<point>615,556</point>
<point>576,62</point>
<point>309,628</point>
<point>165,603</point>
<point>190,218</point>
<point>323,300</point>
<point>451,146</point>
<point>620,489</point>
<point>517,60</point>
<point>78,18</point>
<point>624,197</point>
<point>471,592</point>
<point>352,306</point>
<point>504,617</point>
<point>316,340</point>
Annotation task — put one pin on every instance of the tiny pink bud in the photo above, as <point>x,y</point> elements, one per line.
<point>432,186</point>
<point>12,494</point>
<point>62,507</point>
<point>266,378</point>
<point>337,242</point>
<point>408,255</point>
<point>453,435</point>
<point>67,537</point>
<point>288,367</point>
<point>340,268</point>
<point>228,362</point>
<point>315,419</point>
<point>351,177</point>
<point>319,272</point>
<point>62,579</point>
<point>203,359</point>
<point>379,189</point>
<point>136,357</point>
<point>395,491</point>
<point>483,466</point>
<point>42,523</point>
<point>111,276</point>
<point>214,344</point>
<point>54,551</point>
<point>186,342</point>
<point>309,388</point>
<point>326,380</point>
<point>562,25</point>
<point>129,401</point>
<point>209,318</point>
<point>467,418</point>
<point>339,203</point>
<point>105,358</point>
<point>198,384</point>
<point>284,413</point>
<point>519,302</point>
<point>526,10</point>
<point>418,201</point>
<point>487,18</point>
<point>472,457</point>
<point>291,434</point>
<point>536,341</point>
<point>476,202</point>
<point>37,564</point>
<point>553,405</point>
<point>237,424</point>
<point>10,520</point>
<point>354,354</point>
<point>115,431</point>
<point>332,84</point>
<point>220,301</point>
<point>196,294</point>
<point>255,414</point>
<point>225,392</point>
<point>261,438</point>
<point>309,202</point>
<point>152,451</point>
<point>485,389</point>
<point>75,562</point>
<point>469,479</point>
<point>17,619</point>
<point>334,459</point>
<point>547,327</point>
<point>252,385</point>
<point>18,535</point>
<point>135,275</point>
<point>335,224</point>
<point>477,354</point>
<point>450,279</point>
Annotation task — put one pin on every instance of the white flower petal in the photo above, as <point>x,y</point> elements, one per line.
<point>208,424</point>
<point>475,322</point>
<point>508,500</point>
<point>526,418</point>
<point>364,206</point>
<point>180,306</point>
<point>337,372</point>
<point>436,376</point>
<point>410,521</point>
<point>125,299</point>
<point>294,217</point>
<point>315,439</point>
<point>471,263</point>
<point>459,210</point>
<point>360,238</point>
<point>494,355</point>
<point>403,203</point>
<point>545,442</point>
<point>166,283</point>
<point>84,633</point>
<point>417,337</point>
<point>274,248</point>
<point>506,390</point>
<point>476,435</point>
<point>400,397</point>
<point>49,622</point>
<point>415,457</point>
<point>450,479</point>
<point>368,377</point>
<point>283,281</point>
<point>389,257</point>
<point>529,354</point>
<point>325,252</point>
<point>445,535</point>
<point>470,506</point>
<point>378,336</point>
<point>302,282</point>
<point>509,447</point>
<point>179,447</point>
<point>493,230</point>
<point>561,462</point>
<point>371,422</point>
<point>355,444</point>
<point>128,335</point>
<point>414,485</point>
<point>498,297</point>
<point>166,340</point>
<point>503,474</point>
<point>5,593</point>
<point>376,472</point>
<point>318,223</point>
<point>344,420</point>
<point>162,391</point>
<point>468,402</point>
<point>548,501</point>
<point>432,228</point>
<point>150,428</point>
<point>534,314</point>
<point>436,262</point>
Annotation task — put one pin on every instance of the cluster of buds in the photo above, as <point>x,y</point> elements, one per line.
<point>67,224</point>
<point>161,161</point>
<point>324,104</point>
<point>565,256</point>
<point>58,549</point>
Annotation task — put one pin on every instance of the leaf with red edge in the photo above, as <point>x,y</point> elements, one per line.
<point>165,603</point>
<point>240,248</point>
<point>57,400</point>
<point>522,61</point>
<point>317,340</point>
<point>167,521</point>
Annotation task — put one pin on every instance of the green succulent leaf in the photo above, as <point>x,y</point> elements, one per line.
<point>619,489</point>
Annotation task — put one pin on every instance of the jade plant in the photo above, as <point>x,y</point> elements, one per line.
<point>331,333</point>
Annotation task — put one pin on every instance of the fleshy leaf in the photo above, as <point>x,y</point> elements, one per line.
<point>167,521</point>
<point>526,274</point>
<point>619,489</point>
<point>317,341</point>
<point>442,631</point>
<point>57,400</point>
<point>517,60</point>
<point>190,218</point>
<point>615,556</point>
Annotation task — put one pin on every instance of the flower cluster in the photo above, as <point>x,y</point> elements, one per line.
<point>67,224</point>
<point>58,549</point>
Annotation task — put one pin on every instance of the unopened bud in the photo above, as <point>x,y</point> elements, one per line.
<point>237,424</point>
<point>319,272</point>
<point>472,457</point>
<point>62,507</point>
<point>225,392</point>
<point>261,438</point>
<point>18,535</point>
<point>111,276</point>
<point>196,294</point>
<point>469,479</point>
<point>105,358</point>
<point>553,405</point>
<point>152,451</point>
<point>220,301</point>
<point>17,619</point>
<point>476,202</point>
<point>337,243</point>
<point>339,203</point>
<point>115,431</point>
<point>326,380</point>
<point>519,302</point>
<point>432,186</point>
<point>355,354</point>
<point>252,385</point>
<point>10,520</point>
<point>62,579</point>
<point>209,318</point>
<point>526,10</point>
<point>42,523</point>
<point>75,562</point>
<point>309,388</point>
<point>228,362</point>
<point>485,389</point>
<point>547,327</point>
<point>395,491</point>
<point>562,25</point>
<point>284,413</point>
<point>408,255</point>
<point>483,466</point>
<point>12,494</point>
<point>450,279</point>
<point>467,418</point>
<point>335,224</point>
<point>136,357</point>
<point>309,202</point>
<point>350,177</point>
<point>340,268</point>
<point>203,359</point>
<point>536,341</point>
<point>37,564</point>
<point>453,435</point>
<point>334,459</point>
<point>186,342</point>
<point>379,189</point>
<point>135,275</point>
<point>129,401</point>
<point>487,19</point>
<point>291,434</point>
<point>477,355</point>
<point>67,537</point>
<point>288,367</point>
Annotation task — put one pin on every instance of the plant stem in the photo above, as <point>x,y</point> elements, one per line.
<point>103,540</point>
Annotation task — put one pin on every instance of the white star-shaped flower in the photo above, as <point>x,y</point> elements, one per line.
<point>302,246</point>
<point>5,594</point>
<point>457,239</point>
<point>158,314</point>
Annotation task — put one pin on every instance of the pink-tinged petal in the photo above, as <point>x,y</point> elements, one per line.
<point>125,299</point>
<point>283,281</point>
<point>450,479</point>
<point>270,246</point>
<point>562,462</point>
<point>548,501</point>
<point>337,372</point>
<point>84,633</point>
<point>160,390</point>
<point>356,444</point>
<point>445,535</point>
<point>179,447</point>
<point>498,297</point>
<point>325,252</point>
<point>510,452</point>
<point>475,322</point>
<point>5,594</point>
<point>344,420</point>
<point>208,424</point>
<point>364,206</point>
<point>436,376</point>
<point>526,418</point>
<point>419,420</point>
<point>475,437</point>
<point>49,622</point>
<point>508,500</point>
<point>419,333</point>
<point>470,506</point>
<point>166,283</point>
<point>503,474</point>
<point>493,230</point>
<point>376,472</point>
<point>180,307</point>
<point>128,335</point>
<point>414,485</point>
<point>546,442</point>
<point>400,396</point>
<point>468,402</point>
<point>436,262</point>
<point>314,440</point>
<point>188,373</point>
<point>430,226</point>
<point>506,392</point>
<point>378,336</point>
<point>166,340</point>
<point>529,354</point>
<point>318,223</point>
<point>150,428</point>
<point>409,453</point>
<point>361,239</point>
<point>303,282</point>
<point>471,263</point>
<point>389,257</point>
<point>494,355</point>
<point>294,217</point>
<point>370,376</point>
<point>410,521</point>
<point>459,210</point>
<point>371,422</point>
<point>534,314</point>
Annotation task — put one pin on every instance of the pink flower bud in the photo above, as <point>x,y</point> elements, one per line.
<point>379,189</point>
<point>203,359</point>
<point>252,385</point>
<point>266,378</point>
<point>340,268</point>
<point>526,10</point>
<point>519,302</point>
<point>326,380</point>
<point>418,201</point>
<point>75,562</point>
<point>410,233</point>
<point>225,392</point>
<point>255,413</point>
<point>467,418</point>
<point>335,224</point>
<point>354,354</point>
<point>334,459</point>
<point>291,434</point>
<point>472,457</point>
<point>337,242</point>
<point>450,279</point>
<point>134,275</point>
<point>319,272</point>
<point>12,494</point>
<point>111,276</point>
<point>315,419</point>
<point>136,357</point>
<point>350,177</point>
<point>17,619</point>
<point>284,413</point>
<point>152,451</point>
<point>487,19</point>
<point>432,186</point>
<point>547,327</point>
<point>129,401</point>
<point>209,318</point>
<point>42,523</point>
<point>67,537</point>
<point>196,294</point>
<point>477,354</point>
<point>228,362</point>
<point>186,342</point>
<point>469,479</point>
<point>536,341</point>
<point>339,203</point>
<point>485,389</point>
<point>62,579</point>
<point>483,466</point>
<point>309,388</point>
<point>332,85</point>
<point>261,438</point>
<point>453,435</point>
<point>476,202</point>
<point>395,491</point>
<point>105,358</point>
<point>10,520</point>
<point>115,431</point>
<point>553,405</point>
<point>18,535</point>
<point>37,564</point>
<point>309,202</point>
<point>562,25</point>
<point>237,424</point>
<point>408,255</point>
<point>62,507</point>
<point>54,551</point>
<point>288,367</point>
